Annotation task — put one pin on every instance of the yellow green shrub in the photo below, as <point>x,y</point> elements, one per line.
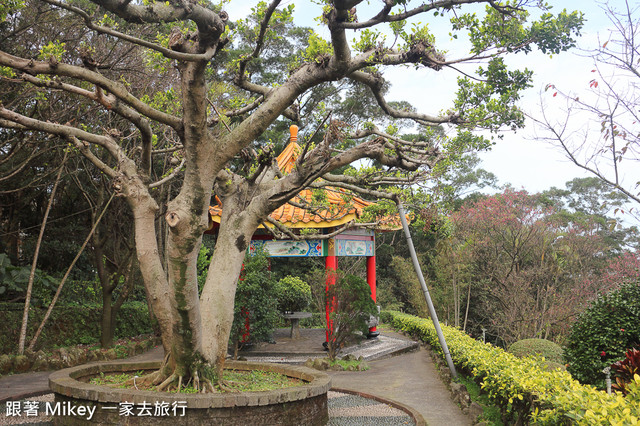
<point>522,387</point>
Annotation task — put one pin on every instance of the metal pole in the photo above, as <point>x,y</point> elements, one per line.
<point>425,290</point>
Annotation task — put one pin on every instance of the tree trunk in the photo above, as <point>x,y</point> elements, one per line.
<point>27,302</point>
<point>153,274</point>
<point>218,295</point>
<point>12,236</point>
<point>106,322</point>
<point>456,300</point>
<point>466,312</point>
<point>106,330</point>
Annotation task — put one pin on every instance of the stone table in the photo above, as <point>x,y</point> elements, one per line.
<point>295,318</point>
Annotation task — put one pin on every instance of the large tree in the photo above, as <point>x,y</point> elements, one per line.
<point>212,122</point>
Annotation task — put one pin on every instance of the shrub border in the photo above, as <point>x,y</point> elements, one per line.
<point>523,388</point>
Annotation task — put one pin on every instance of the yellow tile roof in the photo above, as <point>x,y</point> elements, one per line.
<point>338,206</point>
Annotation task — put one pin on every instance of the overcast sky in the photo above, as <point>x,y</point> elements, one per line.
<point>518,159</point>
<point>531,163</point>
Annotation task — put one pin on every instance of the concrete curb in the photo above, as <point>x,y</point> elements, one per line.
<point>65,382</point>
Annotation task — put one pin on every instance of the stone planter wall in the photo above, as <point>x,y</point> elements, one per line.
<point>306,404</point>
<point>69,356</point>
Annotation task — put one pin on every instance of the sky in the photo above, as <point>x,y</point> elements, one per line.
<point>520,159</point>
<point>524,160</point>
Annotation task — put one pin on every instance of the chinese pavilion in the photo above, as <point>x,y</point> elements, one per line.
<point>339,208</point>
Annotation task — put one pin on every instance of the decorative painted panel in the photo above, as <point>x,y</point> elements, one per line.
<point>357,231</point>
<point>289,248</point>
<point>354,248</point>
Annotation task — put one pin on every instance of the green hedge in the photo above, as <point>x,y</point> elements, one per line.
<point>529,347</point>
<point>70,325</point>
<point>524,389</point>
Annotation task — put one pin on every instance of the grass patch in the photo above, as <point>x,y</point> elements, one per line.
<point>351,365</point>
<point>235,380</point>
<point>113,379</point>
<point>257,380</point>
<point>491,414</point>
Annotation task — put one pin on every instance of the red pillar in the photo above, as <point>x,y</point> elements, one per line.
<point>371,280</point>
<point>331,266</point>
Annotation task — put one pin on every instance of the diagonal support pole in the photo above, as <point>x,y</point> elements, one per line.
<point>425,290</point>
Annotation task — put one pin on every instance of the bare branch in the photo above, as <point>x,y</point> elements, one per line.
<point>169,177</point>
<point>333,180</point>
<point>61,130</point>
<point>300,159</point>
<point>20,168</point>
<point>219,115</point>
<point>375,84</point>
<point>562,140</point>
<point>11,125</point>
<point>84,148</point>
<point>110,103</point>
<point>167,150</point>
<point>264,25</point>
<point>286,231</point>
<point>236,112</point>
<point>116,89</point>
<point>385,16</point>
<point>171,54</point>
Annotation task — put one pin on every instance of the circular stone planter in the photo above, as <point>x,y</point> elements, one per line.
<point>79,403</point>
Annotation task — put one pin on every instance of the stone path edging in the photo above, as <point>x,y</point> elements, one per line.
<point>417,417</point>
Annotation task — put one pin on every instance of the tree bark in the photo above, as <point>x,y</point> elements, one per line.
<point>217,299</point>
<point>106,321</point>
<point>153,274</point>
<point>466,312</point>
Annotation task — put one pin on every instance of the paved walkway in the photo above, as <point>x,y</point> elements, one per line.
<point>20,386</point>
<point>309,345</point>
<point>409,378</point>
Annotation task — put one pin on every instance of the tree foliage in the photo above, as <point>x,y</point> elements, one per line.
<point>604,332</point>
<point>255,307</point>
<point>13,283</point>
<point>199,126</point>
<point>293,294</point>
<point>523,264</point>
<point>351,307</point>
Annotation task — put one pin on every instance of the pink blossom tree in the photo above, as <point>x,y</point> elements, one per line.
<point>524,264</point>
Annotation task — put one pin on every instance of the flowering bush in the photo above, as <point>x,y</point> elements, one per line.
<point>524,389</point>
